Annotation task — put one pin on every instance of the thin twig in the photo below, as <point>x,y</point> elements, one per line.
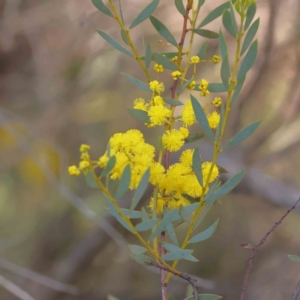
<point>14,289</point>
<point>297,290</point>
<point>185,276</point>
<point>164,295</point>
<point>257,248</point>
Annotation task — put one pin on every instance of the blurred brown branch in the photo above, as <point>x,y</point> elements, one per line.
<point>296,293</point>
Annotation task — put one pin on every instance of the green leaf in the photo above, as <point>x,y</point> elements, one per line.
<point>131,214</point>
<point>197,165</point>
<point>200,3</point>
<point>163,223</point>
<point>124,182</point>
<point>160,59</point>
<point>144,214</point>
<point>194,137</point>
<point>145,13</point>
<point>163,31</point>
<point>113,211</point>
<point>177,255</point>
<point>250,35</point>
<point>237,89</point>
<point>222,44</point>
<point>124,36</point>
<point>232,15</point>
<point>218,131</point>
<point>171,232</point>
<point>228,186</point>
<point>185,85</point>
<point>201,117</point>
<point>225,71</point>
<point>110,165</point>
<point>206,234</point>
<point>139,115</point>
<point>137,83</point>
<point>202,51</point>
<point>137,250</point>
<point>146,225</point>
<point>206,33</point>
<point>217,12</point>
<point>180,7</point>
<point>90,180</point>
<point>173,102</point>
<point>114,43</point>
<point>184,214</point>
<point>251,11</point>
<point>141,259</point>
<point>148,56</point>
<point>111,297</point>
<point>100,5</point>
<point>228,23</point>
<point>140,189</point>
<point>242,135</point>
<point>294,257</point>
<point>248,60</point>
<point>217,88</point>
<point>205,297</point>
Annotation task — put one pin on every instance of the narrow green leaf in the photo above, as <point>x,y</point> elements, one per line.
<point>200,3</point>
<point>202,51</point>
<point>201,117</point>
<point>206,33</point>
<point>180,7</point>
<point>140,189</point>
<point>218,131</point>
<point>185,85</point>
<point>124,36</point>
<point>90,180</point>
<point>217,88</point>
<point>222,44</point>
<point>179,254</point>
<point>197,165</point>
<point>163,31</point>
<point>146,225</point>
<point>206,234</point>
<point>110,165</point>
<point>171,232</point>
<point>228,186</point>
<point>144,214</point>
<point>194,137</point>
<point>294,257</point>
<point>163,223</point>
<point>205,297</point>
<point>248,60</point>
<point>217,12</point>
<point>136,249</point>
<point>145,13</point>
<point>228,23</point>
<point>169,55</point>
<point>162,60</point>
<point>103,8</point>
<point>131,214</point>
<point>225,71</point>
<point>173,102</point>
<point>251,11</point>
<point>124,182</point>
<point>237,89</point>
<point>232,15</point>
<point>139,115</point>
<point>141,259</point>
<point>250,35</point>
<point>113,211</point>
<point>172,248</point>
<point>148,56</point>
<point>137,83</point>
<point>242,135</point>
<point>114,43</point>
<point>184,214</point>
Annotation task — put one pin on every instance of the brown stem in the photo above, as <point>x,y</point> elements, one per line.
<point>164,285</point>
<point>257,248</point>
<point>296,293</point>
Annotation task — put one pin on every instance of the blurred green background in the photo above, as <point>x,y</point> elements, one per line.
<point>61,86</point>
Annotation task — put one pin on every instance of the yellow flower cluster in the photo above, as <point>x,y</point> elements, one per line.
<point>191,86</point>
<point>158,68</point>
<point>174,59</point>
<point>217,101</point>
<point>176,75</point>
<point>173,140</point>
<point>204,88</point>
<point>84,163</point>
<point>195,60</point>
<point>216,59</point>
<point>213,119</point>
<point>188,115</point>
<point>156,87</point>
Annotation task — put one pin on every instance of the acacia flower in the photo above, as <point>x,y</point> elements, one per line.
<point>213,119</point>
<point>158,114</point>
<point>188,115</point>
<point>174,59</point>
<point>176,75</point>
<point>186,157</point>
<point>216,59</point>
<point>217,101</point>
<point>156,86</point>
<point>158,68</point>
<point>141,104</point>
<point>84,148</point>
<point>172,140</point>
<point>158,100</point>
<point>204,88</point>
<point>195,59</point>
<point>205,171</point>
<point>73,171</point>
<point>191,86</point>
